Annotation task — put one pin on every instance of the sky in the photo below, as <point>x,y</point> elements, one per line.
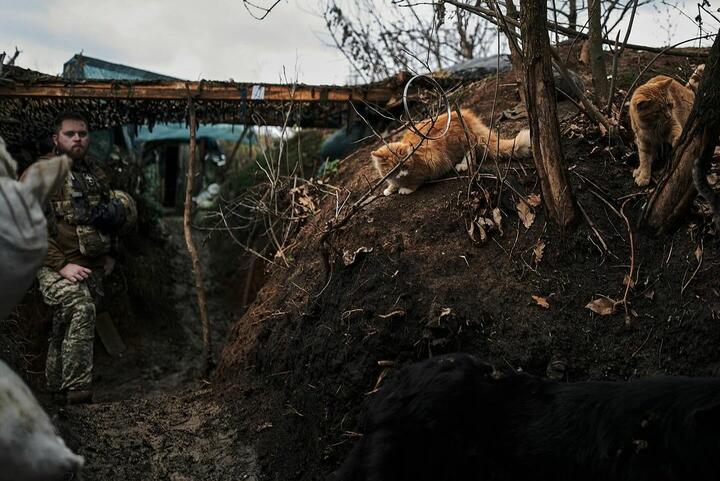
<point>219,39</point>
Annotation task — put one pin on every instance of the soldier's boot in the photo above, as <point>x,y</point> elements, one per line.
<point>83,396</point>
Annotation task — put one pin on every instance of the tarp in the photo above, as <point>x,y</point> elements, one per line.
<point>180,132</point>
<point>82,67</point>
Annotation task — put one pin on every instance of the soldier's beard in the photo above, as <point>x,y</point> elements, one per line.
<point>76,152</point>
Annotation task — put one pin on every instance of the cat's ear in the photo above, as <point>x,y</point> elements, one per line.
<point>643,104</point>
<point>403,149</point>
<point>665,83</point>
<point>382,152</point>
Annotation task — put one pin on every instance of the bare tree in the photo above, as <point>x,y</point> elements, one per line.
<point>597,58</point>
<point>542,114</point>
<point>381,37</point>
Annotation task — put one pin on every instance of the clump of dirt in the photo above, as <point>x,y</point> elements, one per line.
<point>318,339</point>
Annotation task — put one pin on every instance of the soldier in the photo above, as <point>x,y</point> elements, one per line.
<point>83,218</point>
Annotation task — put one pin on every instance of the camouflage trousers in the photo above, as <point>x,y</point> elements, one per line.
<point>70,353</point>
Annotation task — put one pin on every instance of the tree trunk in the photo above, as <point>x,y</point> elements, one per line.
<point>542,114</point>
<point>597,59</point>
<point>675,191</point>
<point>516,56</point>
<point>572,16</point>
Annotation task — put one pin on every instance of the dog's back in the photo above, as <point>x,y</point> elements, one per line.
<point>452,418</point>
<point>650,429</point>
<point>423,423</point>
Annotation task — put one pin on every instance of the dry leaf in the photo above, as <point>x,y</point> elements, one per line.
<point>541,301</point>
<point>628,280</point>
<point>534,200</point>
<point>349,257</point>
<point>477,232</point>
<point>497,217</point>
<point>650,295</point>
<point>538,252</point>
<point>699,252</point>
<point>525,213</point>
<point>603,306</point>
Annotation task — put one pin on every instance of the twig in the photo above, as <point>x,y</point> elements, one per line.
<point>643,344</point>
<point>478,10</point>
<point>700,261</point>
<point>629,280</point>
<point>596,194</point>
<point>592,226</point>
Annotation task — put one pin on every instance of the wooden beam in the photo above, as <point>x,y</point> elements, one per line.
<point>209,91</point>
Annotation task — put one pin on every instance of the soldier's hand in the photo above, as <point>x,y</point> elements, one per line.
<point>75,273</point>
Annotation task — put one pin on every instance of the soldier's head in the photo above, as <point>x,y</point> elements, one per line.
<point>70,135</point>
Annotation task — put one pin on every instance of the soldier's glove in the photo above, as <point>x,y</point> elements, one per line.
<point>109,216</point>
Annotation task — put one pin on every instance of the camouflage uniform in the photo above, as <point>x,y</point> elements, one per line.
<point>70,353</point>
<point>72,239</point>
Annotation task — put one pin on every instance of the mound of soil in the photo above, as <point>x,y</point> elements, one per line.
<point>324,332</point>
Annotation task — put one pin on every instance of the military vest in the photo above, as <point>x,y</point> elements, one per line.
<point>80,194</point>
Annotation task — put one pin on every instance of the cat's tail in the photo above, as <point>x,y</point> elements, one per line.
<point>519,147</point>
<point>695,78</point>
<point>700,169</point>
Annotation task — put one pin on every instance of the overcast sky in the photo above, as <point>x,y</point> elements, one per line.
<point>218,39</point>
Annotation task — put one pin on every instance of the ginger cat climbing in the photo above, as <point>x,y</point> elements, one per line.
<point>435,158</point>
<point>658,111</point>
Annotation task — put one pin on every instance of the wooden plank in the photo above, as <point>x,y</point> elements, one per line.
<point>212,91</point>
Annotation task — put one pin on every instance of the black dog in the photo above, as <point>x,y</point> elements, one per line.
<point>453,418</point>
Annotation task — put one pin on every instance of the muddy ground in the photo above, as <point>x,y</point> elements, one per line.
<point>295,369</point>
<point>154,418</point>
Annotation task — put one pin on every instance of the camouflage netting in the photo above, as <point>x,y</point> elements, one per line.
<point>27,119</point>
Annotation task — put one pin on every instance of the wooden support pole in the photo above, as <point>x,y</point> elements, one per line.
<point>209,91</point>
<point>207,360</point>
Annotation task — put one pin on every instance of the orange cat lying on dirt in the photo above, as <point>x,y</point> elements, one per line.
<point>658,111</point>
<point>435,158</point>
